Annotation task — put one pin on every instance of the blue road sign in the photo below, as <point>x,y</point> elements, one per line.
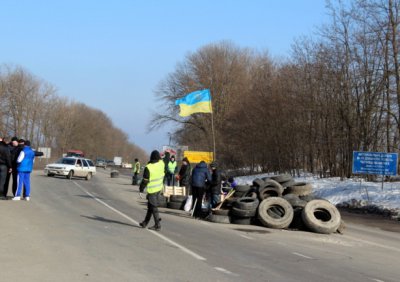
<point>375,163</point>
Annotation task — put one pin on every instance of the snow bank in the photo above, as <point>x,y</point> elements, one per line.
<point>337,191</point>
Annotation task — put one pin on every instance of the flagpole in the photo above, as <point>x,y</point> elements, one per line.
<point>213,132</point>
<point>213,135</point>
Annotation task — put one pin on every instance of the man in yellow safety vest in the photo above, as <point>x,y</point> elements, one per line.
<point>171,170</point>
<point>136,171</point>
<point>153,177</point>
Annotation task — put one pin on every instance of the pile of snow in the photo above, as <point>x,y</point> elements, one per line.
<point>337,191</point>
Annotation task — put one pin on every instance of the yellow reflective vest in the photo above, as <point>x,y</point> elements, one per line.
<point>171,167</point>
<point>137,168</point>
<point>156,179</point>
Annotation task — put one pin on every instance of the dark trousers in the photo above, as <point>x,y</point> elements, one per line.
<point>152,209</point>
<point>170,179</point>
<point>3,177</point>
<point>134,178</point>
<point>215,199</point>
<point>14,175</point>
<point>198,193</point>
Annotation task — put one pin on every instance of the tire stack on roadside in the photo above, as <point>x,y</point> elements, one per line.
<point>280,202</point>
<point>176,202</point>
<point>162,201</point>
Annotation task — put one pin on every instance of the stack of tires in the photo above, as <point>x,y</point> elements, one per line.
<point>244,210</point>
<point>280,202</point>
<point>176,202</point>
<point>162,201</point>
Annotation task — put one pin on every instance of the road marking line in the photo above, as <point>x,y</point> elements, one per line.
<point>247,237</point>
<point>301,255</point>
<point>182,248</point>
<point>225,271</point>
<point>376,280</point>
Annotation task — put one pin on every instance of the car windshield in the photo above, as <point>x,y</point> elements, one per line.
<point>68,161</point>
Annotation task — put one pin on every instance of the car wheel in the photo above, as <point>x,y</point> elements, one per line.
<point>50,174</point>
<point>89,176</point>
<point>70,174</point>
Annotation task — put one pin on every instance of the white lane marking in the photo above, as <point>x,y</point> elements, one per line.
<point>225,271</point>
<point>301,255</point>
<point>376,280</point>
<point>247,237</point>
<point>182,248</point>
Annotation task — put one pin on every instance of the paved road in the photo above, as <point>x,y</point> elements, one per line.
<point>77,230</point>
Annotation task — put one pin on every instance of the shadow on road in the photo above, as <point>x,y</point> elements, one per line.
<point>102,219</point>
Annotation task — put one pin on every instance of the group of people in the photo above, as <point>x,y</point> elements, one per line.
<point>203,179</point>
<point>16,162</point>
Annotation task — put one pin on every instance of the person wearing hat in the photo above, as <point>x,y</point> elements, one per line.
<point>153,181</point>
<point>200,178</point>
<point>215,185</point>
<point>171,170</point>
<point>14,152</point>
<point>184,174</point>
<point>136,171</point>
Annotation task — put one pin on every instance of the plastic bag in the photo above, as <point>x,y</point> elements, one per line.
<point>188,204</point>
<point>206,203</point>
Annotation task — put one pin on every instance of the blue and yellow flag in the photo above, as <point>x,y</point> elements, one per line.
<point>195,102</point>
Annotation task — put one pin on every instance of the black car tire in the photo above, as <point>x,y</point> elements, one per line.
<point>295,201</point>
<point>258,183</point>
<point>282,178</point>
<point>267,192</point>
<point>220,212</point>
<point>70,174</point>
<point>321,216</point>
<point>176,205</point>
<point>300,188</point>
<point>243,213</point>
<point>240,220</point>
<point>219,218</point>
<point>272,219</point>
<point>246,203</point>
<point>177,198</point>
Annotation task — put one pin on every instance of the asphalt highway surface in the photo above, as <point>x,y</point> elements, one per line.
<point>78,230</point>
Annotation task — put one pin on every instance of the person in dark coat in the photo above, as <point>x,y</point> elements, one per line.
<point>184,174</point>
<point>5,165</point>
<point>200,178</point>
<point>215,185</point>
<point>166,160</point>
<point>15,149</point>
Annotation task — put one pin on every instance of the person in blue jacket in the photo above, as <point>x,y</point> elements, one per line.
<point>200,178</point>
<point>24,167</point>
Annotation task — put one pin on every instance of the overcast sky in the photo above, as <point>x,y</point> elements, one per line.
<point>111,55</point>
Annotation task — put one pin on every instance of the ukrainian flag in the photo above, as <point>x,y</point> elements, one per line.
<point>195,102</point>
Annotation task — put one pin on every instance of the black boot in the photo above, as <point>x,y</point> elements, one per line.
<point>143,224</point>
